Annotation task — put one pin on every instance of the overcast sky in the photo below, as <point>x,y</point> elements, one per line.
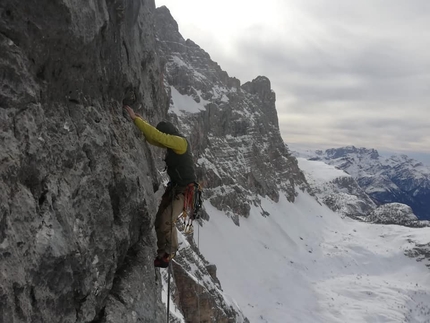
<point>344,72</point>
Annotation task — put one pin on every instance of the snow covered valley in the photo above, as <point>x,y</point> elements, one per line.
<point>306,263</point>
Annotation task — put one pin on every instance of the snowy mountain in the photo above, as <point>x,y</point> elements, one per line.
<point>283,259</point>
<point>302,262</point>
<point>233,129</point>
<point>336,189</point>
<point>395,179</point>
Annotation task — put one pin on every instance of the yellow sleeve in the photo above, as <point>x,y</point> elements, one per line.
<point>157,138</point>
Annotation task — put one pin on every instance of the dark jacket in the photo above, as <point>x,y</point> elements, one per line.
<point>179,159</point>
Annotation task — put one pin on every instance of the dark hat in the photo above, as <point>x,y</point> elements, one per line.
<point>168,128</point>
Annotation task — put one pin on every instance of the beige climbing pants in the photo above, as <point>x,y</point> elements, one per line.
<point>165,221</point>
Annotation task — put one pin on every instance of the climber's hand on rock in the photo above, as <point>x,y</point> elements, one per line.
<point>130,112</point>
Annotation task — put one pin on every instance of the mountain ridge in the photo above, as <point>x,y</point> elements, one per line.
<point>385,179</point>
<point>250,155</point>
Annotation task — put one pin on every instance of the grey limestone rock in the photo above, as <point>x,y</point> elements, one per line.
<point>77,180</point>
<point>78,184</point>
<point>392,213</point>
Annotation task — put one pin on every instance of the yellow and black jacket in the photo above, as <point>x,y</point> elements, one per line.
<point>179,159</point>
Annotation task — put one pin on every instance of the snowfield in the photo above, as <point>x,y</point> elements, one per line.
<point>305,263</point>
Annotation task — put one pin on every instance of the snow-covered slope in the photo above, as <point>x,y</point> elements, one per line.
<point>394,179</point>
<point>304,263</point>
<point>335,188</point>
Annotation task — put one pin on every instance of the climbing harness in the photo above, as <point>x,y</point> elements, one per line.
<point>192,206</point>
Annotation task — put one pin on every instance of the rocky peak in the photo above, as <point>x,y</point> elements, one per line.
<point>262,87</point>
<point>180,54</point>
<point>169,28</point>
<point>393,213</point>
<point>233,130</point>
<point>351,150</point>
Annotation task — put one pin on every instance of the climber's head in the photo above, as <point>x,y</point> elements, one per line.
<point>167,128</point>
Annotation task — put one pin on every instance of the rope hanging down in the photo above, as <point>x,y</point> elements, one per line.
<point>192,206</point>
<point>198,294</point>
<point>170,254</point>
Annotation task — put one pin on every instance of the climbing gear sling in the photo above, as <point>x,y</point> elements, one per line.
<point>192,206</point>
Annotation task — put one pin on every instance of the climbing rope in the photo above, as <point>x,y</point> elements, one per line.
<point>168,293</point>
<point>170,254</point>
<point>196,203</point>
<point>192,204</point>
<point>198,294</point>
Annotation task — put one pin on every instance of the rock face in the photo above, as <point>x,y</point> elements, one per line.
<point>347,197</point>
<point>77,180</point>
<point>337,189</point>
<point>392,213</point>
<point>79,185</point>
<point>199,294</point>
<point>421,252</point>
<point>398,179</point>
<point>395,213</point>
<point>233,129</point>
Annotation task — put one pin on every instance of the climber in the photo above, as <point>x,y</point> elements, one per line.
<point>180,168</point>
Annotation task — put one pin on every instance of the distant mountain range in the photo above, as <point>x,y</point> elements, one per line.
<point>396,179</point>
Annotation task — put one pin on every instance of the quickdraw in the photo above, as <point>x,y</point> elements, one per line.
<point>192,206</point>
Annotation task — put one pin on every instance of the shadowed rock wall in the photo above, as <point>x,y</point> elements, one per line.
<point>77,180</point>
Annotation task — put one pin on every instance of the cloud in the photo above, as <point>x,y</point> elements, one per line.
<point>344,72</point>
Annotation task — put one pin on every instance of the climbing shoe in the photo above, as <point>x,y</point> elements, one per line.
<point>163,261</point>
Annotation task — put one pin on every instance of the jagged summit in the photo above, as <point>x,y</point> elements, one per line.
<point>170,23</point>
<point>351,150</point>
<point>233,129</point>
<point>261,86</point>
